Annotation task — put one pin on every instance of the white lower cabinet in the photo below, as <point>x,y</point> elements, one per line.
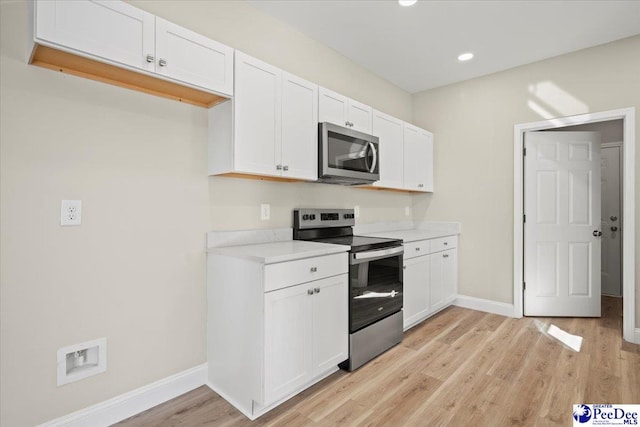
<point>444,278</point>
<point>274,329</point>
<point>416,289</point>
<point>430,278</point>
<point>305,334</point>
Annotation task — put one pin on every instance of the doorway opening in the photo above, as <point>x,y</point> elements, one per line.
<point>627,153</point>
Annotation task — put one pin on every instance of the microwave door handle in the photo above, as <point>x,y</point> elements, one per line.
<point>366,157</point>
<point>375,157</point>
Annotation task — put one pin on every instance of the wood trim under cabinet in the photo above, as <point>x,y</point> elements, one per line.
<point>58,60</point>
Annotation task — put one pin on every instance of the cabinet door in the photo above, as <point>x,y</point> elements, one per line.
<point>332,107</point>
<point>299,128</point>
<point>444,278</point>
<point>192,58</point>
<point>418,159</point>
<point>359,116</point>
<point>288,339</point>
<point>416,290</point>
<point>389,130</point>
<point>330,322</point>
<point>113,31</point>
<point>257,116</point>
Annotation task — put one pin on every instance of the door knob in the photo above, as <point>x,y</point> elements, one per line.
<point>614,218</point>
<point>614,228</point>
<point>597,233</point>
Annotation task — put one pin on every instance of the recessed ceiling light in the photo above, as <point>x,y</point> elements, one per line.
<point>465,57</point>
<point>407,2</point>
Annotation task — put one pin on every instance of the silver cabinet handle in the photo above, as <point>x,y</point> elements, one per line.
<point>314,269</point>
<point>614,218</point>
<point>404,267</point>
<point>309,291</point>
<point>316,290</point>
<point>417,249</point>
<point>150,58</point>
<point>445,256</point>
<point>279,167</point>
<point>162,62</point>
<point>285,168</point>
<point>597,233</point>
<point>420,185</point>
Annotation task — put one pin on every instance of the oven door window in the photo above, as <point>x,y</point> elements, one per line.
<point>350,153</point>
<point>375,290</point>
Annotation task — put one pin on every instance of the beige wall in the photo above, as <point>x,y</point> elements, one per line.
<point>473,125</point>
<point>134,272</point>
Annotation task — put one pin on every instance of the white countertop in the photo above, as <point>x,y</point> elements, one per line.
<point>271,253</point>
<point>418,231</point>
<point>414,235</point>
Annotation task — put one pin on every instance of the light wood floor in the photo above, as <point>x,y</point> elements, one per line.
<point>459,368</point>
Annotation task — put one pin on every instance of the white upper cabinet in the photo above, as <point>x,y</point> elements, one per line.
<point>257,116</point>
<point>192,58</point>
<point>343,111</point>
<point>273,130</point>
<point>112,30</point>
<point>418,159</point>
<point>389,131</point>
<point>299,156</point>
<point>118,34</point>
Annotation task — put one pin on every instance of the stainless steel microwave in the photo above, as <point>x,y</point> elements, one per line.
<point>346,156</point>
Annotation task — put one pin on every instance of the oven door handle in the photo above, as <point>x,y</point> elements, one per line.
<point>382,253</point>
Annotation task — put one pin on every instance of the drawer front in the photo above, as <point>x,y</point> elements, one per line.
<point>444,243</point>
<point>414,249</point>
<point>284,274</point>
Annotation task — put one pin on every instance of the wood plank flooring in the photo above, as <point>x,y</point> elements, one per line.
<point>461,367</point>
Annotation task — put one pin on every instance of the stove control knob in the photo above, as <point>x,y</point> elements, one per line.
<point>305,217</point>
<point>313,217</point>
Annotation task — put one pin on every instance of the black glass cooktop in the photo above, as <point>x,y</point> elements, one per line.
<point>361,243</point>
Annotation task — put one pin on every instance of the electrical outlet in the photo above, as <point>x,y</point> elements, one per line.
<point>265,212</point>
<point>71,212</point>
<point>356,211</point>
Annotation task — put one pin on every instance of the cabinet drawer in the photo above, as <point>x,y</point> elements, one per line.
<point>444,243</point>
<point>284,274</point>
<point>414,249</point>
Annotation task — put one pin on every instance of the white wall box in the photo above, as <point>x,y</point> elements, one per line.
<point>269,338</point>
<point>269,129</point>
<point>418,159</point>
<point>116,43</point>
<point>340,110</point>
<point>430,278</point>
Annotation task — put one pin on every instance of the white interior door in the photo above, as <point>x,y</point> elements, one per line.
<point>611,221</point>
<point>562,226</point>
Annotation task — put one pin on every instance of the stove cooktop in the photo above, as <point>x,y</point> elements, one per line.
<point>361,243</point>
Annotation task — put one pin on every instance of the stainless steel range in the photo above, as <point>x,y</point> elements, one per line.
<point>375,280</point>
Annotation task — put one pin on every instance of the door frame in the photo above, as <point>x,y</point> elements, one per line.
<point>628,216</point>
<point>620,145</point>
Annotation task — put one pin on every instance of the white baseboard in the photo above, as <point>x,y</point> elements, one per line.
<point>129,404</point>
<point>636,338</point>
<point>501,308</point>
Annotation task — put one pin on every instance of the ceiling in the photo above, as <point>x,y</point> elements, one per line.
<point>416,47</point>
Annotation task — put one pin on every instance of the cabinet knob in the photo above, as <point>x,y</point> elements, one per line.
<point>445,243</point>
<point>279,167</point>
<point>162,62</point>
<point>614,228</point>
<point>420,185</point>
<point>309,291</point>
<point>417,249</point>
<point>150,58</point>
<point>285,168</point>
<point>445,256</point>
<point>314,269</point>
<point>614,218</point>
<point>316,290</point>
<point>404,267</point>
